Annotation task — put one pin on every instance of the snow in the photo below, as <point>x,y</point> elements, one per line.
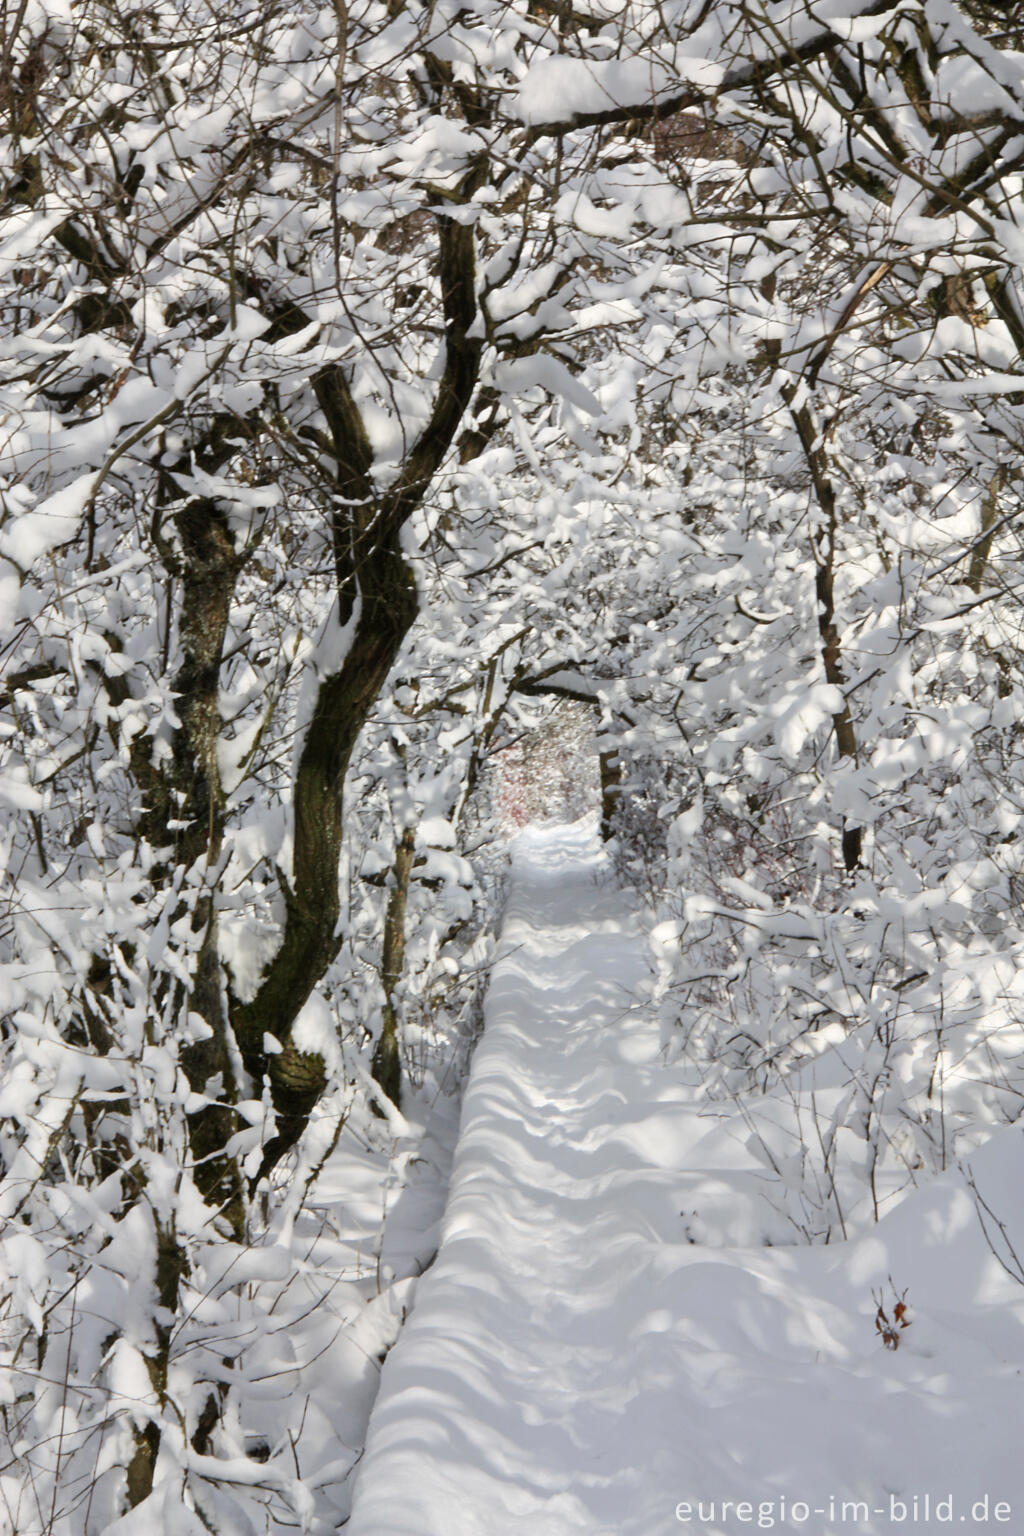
<point>560,88</point>
<point>671,1263</point>
<point>617,1333</point>
<point>526,373</point>
<point>859,29</point>
<point>51,523</point>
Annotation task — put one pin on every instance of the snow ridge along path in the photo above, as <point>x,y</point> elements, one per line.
<point>577,1364</point>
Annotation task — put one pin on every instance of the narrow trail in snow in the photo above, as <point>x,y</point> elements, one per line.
<point>501,1408</point>
<point>608,1329</point>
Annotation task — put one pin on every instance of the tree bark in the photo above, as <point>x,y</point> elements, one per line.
<point>983,548</point>
<point>377,597</point>
<point>171,1268</point>
<point>824,582</point>
<point>387,1066</point>
<point>824,549</point>
<point>610,768</point>
<point>210,567</point>
<point>386,611</point>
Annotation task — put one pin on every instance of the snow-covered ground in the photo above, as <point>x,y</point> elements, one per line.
<point>612,1340</point>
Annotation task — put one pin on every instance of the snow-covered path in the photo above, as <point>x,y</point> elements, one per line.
<point>576,1364</point>
<point>501,1407</point>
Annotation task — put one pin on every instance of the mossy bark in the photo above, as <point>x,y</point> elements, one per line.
<point>377,597</point>
<point>171,1267</point>
<point>387,608</point>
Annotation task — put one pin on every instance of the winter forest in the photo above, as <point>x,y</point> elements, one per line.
<point>511,766</point>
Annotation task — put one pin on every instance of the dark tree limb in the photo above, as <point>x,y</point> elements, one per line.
<point>377,599</point>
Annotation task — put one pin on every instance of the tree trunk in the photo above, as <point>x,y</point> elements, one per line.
<point>989,517</point>
<point>610,768</point>
<point>387,1066</point>
<point>824,581</point>
<point>208,571</point>
<point>387,607</point>
<point>377,594</point>
<point>171,1267</point>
